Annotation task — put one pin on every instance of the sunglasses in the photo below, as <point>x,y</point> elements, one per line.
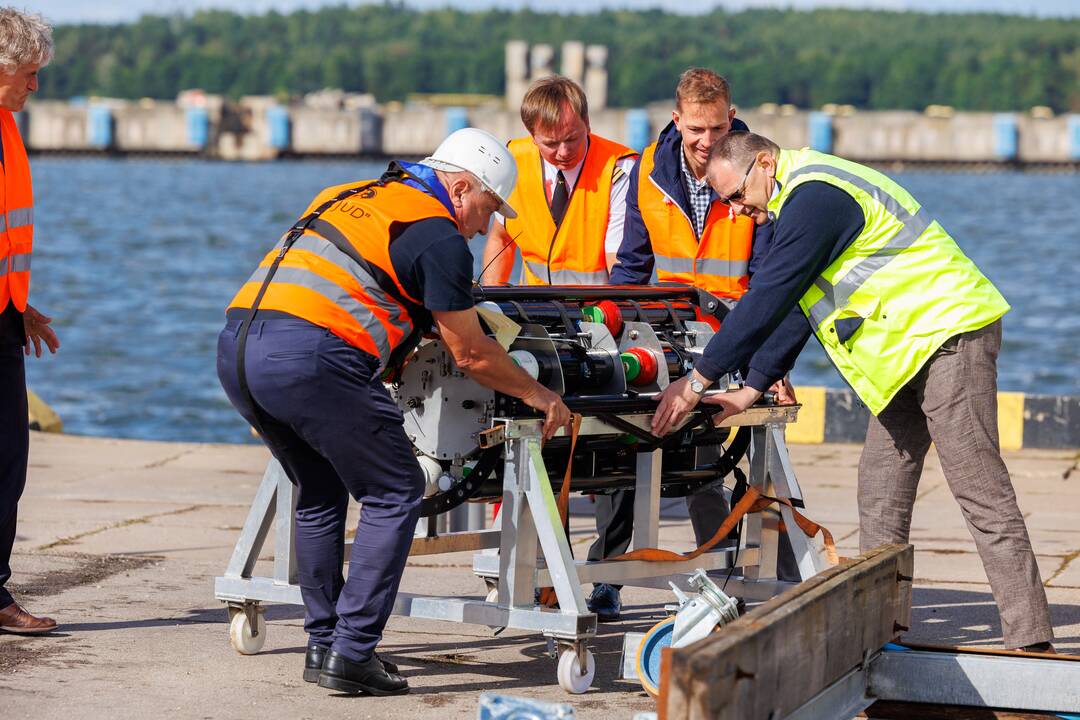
<point>738,194</point>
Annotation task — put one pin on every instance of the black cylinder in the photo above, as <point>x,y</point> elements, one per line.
<point>585,370</point>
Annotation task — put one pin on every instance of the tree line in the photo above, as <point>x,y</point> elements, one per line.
<point>869,59</point>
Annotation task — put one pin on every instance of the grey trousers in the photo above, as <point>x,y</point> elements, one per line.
<point>953,402</point>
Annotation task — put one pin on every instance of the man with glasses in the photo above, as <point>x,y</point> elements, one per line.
<point>911,324</point>
<point>737,195</point>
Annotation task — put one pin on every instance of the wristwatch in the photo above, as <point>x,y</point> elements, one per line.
<point>696,385</point>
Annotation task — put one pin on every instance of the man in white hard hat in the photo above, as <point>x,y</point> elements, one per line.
<point>340,301</point>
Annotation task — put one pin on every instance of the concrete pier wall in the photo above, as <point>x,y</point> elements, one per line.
<point>154,127</point>
<point>914,137</point>
<point>52,125</point>
<point>413,131</point>
<point>120,126</point>
<point>332,132</point>
<point>261,128</point>
<point>786,130</point>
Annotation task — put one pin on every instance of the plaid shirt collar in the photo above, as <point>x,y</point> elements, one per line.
<point>700,195</point>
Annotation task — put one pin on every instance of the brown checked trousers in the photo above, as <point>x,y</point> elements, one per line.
<point>952,402</point>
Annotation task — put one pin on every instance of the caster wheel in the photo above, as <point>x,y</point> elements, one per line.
<point>492,596</point>
<point>648,655</point>
<point>570,678</point>
<point>243,640</point>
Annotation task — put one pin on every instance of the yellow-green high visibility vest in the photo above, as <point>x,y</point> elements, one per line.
<point>898,292</point>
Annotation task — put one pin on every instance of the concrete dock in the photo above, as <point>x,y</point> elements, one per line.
<point>120,541</point>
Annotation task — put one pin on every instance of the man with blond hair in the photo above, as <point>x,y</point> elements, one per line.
<point>673,222</point>
<point>571,194</point>
<point>25,47</point>
<point>676,225</point>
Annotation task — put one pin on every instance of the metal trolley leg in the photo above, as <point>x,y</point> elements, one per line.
<point>533,551</point>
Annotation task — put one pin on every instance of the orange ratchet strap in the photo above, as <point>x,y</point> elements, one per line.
<point>752,501</point>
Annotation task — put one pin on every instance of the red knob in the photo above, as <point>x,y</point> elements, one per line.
<point>647,360</point>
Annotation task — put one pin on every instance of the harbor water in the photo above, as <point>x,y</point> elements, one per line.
<point>135,260</point>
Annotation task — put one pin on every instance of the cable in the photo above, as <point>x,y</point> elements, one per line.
<point>476,282</point>
<point>740,478</point>
<point>731,460</point>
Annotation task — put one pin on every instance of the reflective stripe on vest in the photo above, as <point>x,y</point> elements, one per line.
<point>16,217</point>
<point>388,309</point>
<point>913,225</point>
<point>573,252</point>
<point>703,266</point>
<point>897,293</point>
<point>718,262</point>
<point>335,294</point>
<point>20,217</point>
<point>566,277</point>
<point>20,262</point>
<point>338,274</point>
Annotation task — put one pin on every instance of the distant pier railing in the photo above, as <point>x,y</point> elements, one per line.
<point>260,128</point>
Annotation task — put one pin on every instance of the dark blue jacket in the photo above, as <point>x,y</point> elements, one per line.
<point>767,330</point>
<point>634,262</point>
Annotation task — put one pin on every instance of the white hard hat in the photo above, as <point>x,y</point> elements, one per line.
<point>484,156</point>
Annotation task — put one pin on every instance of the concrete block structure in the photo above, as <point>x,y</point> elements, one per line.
<point>55,125</point>
<point>596,76</point>
<point>334,123</point>
<point>1046,139</point>
<point>503,123</point>
<point>572,63</point>
<point>587,66</point>
<point>517,72</point>
<point>331,131</point>
<point>251,137</point>
<point>608,123</point>
<point>784,127</point>
<point>541,61</point>
<point>412,131</point>
<point>157,127</point>
<point>916,137</point>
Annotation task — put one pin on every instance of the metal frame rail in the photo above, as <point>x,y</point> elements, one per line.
<point>528,548</point>
<point>943,677</point>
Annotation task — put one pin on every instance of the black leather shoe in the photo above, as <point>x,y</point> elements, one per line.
<point>341,674</point>
<point>605,602</point>
<point>1043,647</point>
<point>391,668</point>
<point>313,660</point>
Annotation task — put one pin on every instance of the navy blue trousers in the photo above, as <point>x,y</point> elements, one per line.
<point>326,416</point>
<point>14,436</point>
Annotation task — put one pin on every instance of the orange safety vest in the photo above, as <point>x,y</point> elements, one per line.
<point>573,253</point>
<point>718,263</point>
<point>16,218</point>
<point>338,273</point>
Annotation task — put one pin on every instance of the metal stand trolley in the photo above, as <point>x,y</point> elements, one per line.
<point>464,435</point>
